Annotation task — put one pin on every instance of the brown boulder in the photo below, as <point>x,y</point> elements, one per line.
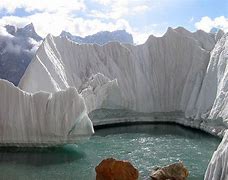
<point>175,171</point>
<point>111,169</point>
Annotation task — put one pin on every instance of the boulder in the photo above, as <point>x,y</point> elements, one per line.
<point>175,171</point>
<point>112,169</point>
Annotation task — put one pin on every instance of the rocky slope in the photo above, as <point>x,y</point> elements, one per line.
<point>16,51</point>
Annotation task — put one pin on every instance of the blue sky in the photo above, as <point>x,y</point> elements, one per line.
<point>139,17</point>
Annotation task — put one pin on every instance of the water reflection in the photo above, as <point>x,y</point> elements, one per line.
<point>40,156</point>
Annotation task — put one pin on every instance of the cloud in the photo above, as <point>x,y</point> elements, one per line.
<point>54,23</point>
<point>12,48</point>
<point>141,35</point>
<point>66,6</point>
<point>15,45</point>
<point>4,33</point>
<point>53,16</point>
<point>7,41</point>
<point>35,45</point>
<point>206,23</point>
<point>114,9</point>
<point>191,19</point>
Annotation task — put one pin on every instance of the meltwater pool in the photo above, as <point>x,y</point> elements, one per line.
<point>145,146</point>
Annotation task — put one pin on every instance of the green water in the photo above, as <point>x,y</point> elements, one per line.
<point>144,145</point>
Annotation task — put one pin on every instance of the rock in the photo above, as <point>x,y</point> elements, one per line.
<point>175,171</point>
<point>112,169</point>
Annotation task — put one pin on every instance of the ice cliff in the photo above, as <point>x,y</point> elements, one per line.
<point>213,98</point>
<point>218,166</point>
<point>166,72</point>
<point>41,119</point>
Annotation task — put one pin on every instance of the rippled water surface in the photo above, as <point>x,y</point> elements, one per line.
<point>144,145</point>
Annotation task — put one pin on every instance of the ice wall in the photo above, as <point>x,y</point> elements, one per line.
<point>218,166</point>
<point>42,119</point>
<point>212,102</point>
<point>164,74</point>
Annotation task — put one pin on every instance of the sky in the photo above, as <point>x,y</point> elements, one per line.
<point>141,18</point>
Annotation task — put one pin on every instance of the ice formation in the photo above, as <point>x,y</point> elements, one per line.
<point>213,98</point>
<point>42,119</point>
<point>101,92</point>
<point>218,166</point>
<point>176,72</point>
<point>165,72</point>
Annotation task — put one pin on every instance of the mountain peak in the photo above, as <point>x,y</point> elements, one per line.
<point>29,27</point>
<point>65,34</point>
<point>11,29</point>
<point>28,31</point>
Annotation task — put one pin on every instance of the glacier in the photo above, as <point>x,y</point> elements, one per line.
<point>212,100</point>
<point>178,72</point>
<point>42,119</point>
<point>218,166</point>
<point>166,72</point>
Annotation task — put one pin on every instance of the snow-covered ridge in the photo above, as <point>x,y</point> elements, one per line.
<point>41,119</point>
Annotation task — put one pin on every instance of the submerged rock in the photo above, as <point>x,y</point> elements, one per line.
<point>175,171</point>
<point>112,169</point>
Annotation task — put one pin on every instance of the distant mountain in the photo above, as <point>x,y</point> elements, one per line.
<point>101,38</point>
<point>214,30</point>
<point>26,32</point>
<point>16,51</point>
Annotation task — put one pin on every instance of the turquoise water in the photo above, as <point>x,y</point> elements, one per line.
<point>144,145</point>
